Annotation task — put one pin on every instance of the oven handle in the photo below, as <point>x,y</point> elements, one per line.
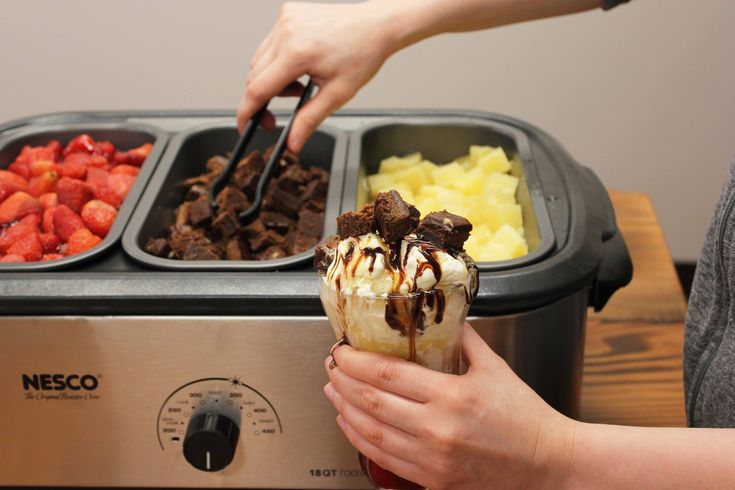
<point>616,268</point>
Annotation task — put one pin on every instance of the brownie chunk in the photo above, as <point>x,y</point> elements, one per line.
<point>310,223</point>
<point>252,162</point>
<point>283,202</point>
<point>195,192</point>
<point>324,253</point>
<point>231,199</point>
<point>182,213</point>
<point>180,236</point>
<point>265,240</point>
<point>292,179</point>
<point>225,224</point>
<point>236,249</point>
<point>200,212</point>
<point>254,229</point>
<point>394,216</point>
<point>158,247</point>
<point>445,230</point>
<point>201,251</point>
<point>277,221</point>
<point>271,253</point>
<point>356,223</point>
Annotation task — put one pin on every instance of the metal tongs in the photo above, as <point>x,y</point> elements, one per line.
<point>239,151</point>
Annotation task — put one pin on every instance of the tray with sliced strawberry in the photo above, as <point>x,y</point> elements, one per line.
<point>66,193</point>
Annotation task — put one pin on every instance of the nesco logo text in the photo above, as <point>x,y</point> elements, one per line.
<point>59,382</point>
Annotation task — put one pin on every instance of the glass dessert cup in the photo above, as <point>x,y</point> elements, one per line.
<point>424,327</point>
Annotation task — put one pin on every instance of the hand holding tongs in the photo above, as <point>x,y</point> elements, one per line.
<point>239,150</point>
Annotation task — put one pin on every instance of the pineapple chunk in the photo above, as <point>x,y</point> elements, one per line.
<point>504,214</point>
<point>395,163</point>
<point>427,205</point>
<point>414,177</point>
<point>476,152</point>
<point>510,239</point>
<point>448,174</point>
<point>464,161</point>
<point>506,184</point>
<point>380,183</point>
<point>497,197</point>
<point>494,161</point>
<point>471,183</point>
<point>493,252</point>
<point>482,233</point>
<point>429,168</point>
<point>474,246</point>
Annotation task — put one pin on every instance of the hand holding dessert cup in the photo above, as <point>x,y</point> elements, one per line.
<point>391,283</point>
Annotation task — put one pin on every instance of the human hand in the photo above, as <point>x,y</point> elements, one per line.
<point>484,429</point>
<point>340,46</point>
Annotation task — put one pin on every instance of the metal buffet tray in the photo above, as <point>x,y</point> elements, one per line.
<point>552,185</point>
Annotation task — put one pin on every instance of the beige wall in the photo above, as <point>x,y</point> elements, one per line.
<point>645,94</point>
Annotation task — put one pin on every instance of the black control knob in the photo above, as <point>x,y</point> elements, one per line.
<point>210,441</point>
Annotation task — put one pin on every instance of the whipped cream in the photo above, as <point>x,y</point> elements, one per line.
<point>367,266</point>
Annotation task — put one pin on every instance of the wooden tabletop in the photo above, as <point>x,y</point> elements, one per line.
<point>633,350</point>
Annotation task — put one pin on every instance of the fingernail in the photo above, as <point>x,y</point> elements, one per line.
<point>329,390</point>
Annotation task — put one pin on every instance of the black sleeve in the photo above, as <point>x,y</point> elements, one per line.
<point>608,4</point>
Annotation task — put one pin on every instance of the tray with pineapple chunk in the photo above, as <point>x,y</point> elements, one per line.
<point>478,169</point>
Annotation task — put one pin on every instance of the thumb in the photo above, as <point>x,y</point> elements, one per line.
<point>330,97</point>
<point>475,351</point>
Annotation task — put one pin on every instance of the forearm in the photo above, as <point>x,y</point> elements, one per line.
<point>618,457</point>
<point>410,21</point>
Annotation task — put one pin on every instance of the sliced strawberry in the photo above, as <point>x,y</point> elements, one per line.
<point>48,257</point>
<point>13,258</point>
<point>86,159</point>
<point>81,144</point>
<point>20,168</point>
<point>134,157</point>
<point>81,240</point>
<point>125,169</point>
<point>10,183</point>
<point>97,176</point>
<point>32,220</point>
<point>65,222</point>
<point>98,216</point>
<point>14,233</point>
<point>105,149</point>
<point>43,184</point>
<point>47,222</point>
<point>30,154</point>
<point>50,242</point>
<point>55,148</point>
<point>73,169</point>
<point>73,192</point>
<point>17,206</point>
<point>40,167</point>
<point>116,188</point>
<point>48,200</point>
<point>29,246</point>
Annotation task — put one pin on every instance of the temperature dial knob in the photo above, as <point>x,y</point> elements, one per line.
<point>210,441</point>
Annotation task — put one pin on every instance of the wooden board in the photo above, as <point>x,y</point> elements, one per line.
<point>633,350</point>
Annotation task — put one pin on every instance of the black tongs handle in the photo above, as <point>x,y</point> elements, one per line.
<point>237,153</point>
<point>247,215</point>
<point>280,147</point>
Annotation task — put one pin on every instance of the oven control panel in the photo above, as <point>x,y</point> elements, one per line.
<point>210,419</point>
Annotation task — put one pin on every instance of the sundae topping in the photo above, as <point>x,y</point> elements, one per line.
<point>445,229</point>
<point>367,263</point>
<point>395,218</point>
<point>356,223</point>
